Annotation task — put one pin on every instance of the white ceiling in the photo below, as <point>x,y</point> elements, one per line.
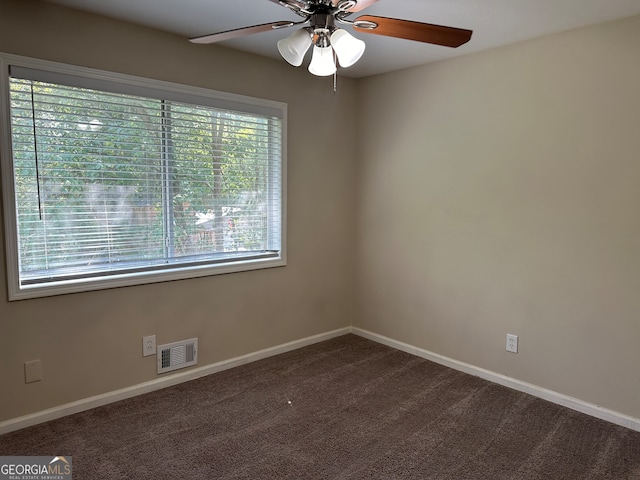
<point>494,23</point>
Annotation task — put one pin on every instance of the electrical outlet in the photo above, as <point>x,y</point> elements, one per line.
<point>32,371</point>
<point>148,345</point>
<point>512,343</point>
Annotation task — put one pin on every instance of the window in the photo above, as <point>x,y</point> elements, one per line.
<point>111,180</point>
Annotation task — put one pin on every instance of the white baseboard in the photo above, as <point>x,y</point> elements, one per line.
<point>554,397</point>
<point>159,383</point>
<point>191,374</point>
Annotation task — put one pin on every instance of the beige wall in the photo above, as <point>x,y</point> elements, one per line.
<point>500,192</point>
<point>90,343</point>
<point>496,192</point>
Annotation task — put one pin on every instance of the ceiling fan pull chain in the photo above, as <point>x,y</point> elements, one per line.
<point>335,74</point>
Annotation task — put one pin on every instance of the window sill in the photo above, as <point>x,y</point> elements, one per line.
<point>141,278</point>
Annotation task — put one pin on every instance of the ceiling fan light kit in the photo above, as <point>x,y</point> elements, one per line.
<point>331,43</point>
<point>346,47</point>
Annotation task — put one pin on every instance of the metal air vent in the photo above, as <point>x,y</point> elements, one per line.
<point>173,356</point>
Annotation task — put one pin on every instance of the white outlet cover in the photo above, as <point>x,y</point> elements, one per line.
<point>512,343</point>
<point>148,345</point>
<point>32,371</point>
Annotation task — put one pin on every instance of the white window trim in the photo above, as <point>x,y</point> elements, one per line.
<point>18,292</point>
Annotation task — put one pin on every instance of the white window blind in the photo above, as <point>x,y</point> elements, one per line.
<point>115,185</point>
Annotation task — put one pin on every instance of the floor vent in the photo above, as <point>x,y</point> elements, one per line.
<point>173,356</point>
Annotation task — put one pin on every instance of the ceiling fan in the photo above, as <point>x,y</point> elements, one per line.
<point>331,43</point>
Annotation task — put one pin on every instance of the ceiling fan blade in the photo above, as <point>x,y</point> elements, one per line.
<point>240,32</point>
<point>361,5</point>
<point>290,3</point>
<point>420,32</point>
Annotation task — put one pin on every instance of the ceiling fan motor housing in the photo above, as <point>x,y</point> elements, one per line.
<point>323,21</point>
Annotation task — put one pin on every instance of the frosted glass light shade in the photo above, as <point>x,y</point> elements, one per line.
<point>295,46</point>
<point>348,48</point>
<point>322,63</point>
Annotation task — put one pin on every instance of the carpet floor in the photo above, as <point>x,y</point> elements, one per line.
<point>347,408</point>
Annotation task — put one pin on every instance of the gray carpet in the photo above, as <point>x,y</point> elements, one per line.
<point>344,408</point>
